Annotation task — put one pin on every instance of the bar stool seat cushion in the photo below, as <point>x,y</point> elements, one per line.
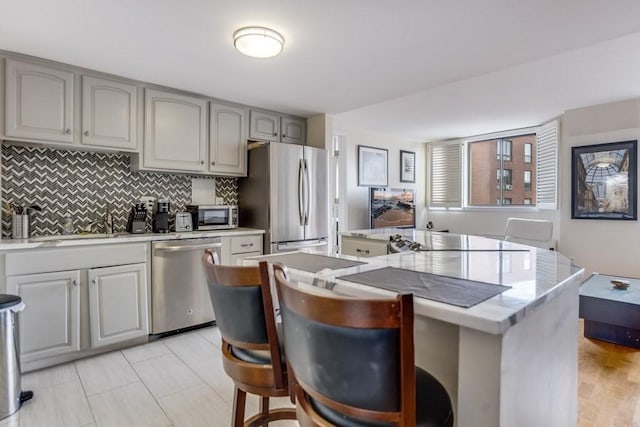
<point>433,406</point>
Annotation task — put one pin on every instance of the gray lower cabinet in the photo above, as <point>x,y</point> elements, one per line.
<point>50,322</point>
<point>235,248</point>
<point>79,300</point>
<point>118,304</point>
<point>39,102</point>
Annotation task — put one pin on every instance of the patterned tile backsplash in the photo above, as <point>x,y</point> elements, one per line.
<point>84,185</point>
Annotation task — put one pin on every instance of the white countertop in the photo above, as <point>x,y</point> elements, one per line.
<point>534,275</point>
<point>79,240</point>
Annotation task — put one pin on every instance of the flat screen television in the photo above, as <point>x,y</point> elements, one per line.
<point>390,207</point>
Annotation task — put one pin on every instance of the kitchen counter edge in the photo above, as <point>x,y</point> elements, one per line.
<point>64,241</point>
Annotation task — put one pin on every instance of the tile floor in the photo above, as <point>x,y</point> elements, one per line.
<point>175,381</point>
<point>179,381</point>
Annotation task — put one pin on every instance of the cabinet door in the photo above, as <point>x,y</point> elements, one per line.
<point>109,113</point>
<point>39,102</point>
<point>50,322</point>
<point>118,304</point>
<point>175,132</point>
<point>264,126</point>
<point>228,140</point>
<point>294,131</point>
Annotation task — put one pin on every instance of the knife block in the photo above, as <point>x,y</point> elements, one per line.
<point>135,223</point>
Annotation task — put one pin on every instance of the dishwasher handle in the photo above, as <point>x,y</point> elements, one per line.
<point>181,248</point>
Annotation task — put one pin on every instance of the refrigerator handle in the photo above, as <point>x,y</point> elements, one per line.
<point>300,192</point>
<point>307,193</point>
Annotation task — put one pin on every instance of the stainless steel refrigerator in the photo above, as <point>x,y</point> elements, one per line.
<point>285,194</point>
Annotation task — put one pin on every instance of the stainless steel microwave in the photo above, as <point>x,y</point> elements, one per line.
<point>214,217</point>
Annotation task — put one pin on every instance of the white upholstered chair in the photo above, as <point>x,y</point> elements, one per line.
<point>533,232</point>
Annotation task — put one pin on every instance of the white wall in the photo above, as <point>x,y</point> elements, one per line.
<point>357,198</point>
<point>603,246</point>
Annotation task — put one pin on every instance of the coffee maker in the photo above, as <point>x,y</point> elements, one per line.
<point>161,216</point>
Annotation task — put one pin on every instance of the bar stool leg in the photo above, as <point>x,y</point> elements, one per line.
<point>239,400</point>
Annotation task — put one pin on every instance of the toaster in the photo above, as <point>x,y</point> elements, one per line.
<point>183,221</point>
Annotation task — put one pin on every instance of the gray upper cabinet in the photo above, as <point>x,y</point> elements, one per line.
<point>294,131</point>
<point>109,114</point>
<point>175,136</point>
<point>228,140</point>
<point>39,102</point>
<point>264,126</point>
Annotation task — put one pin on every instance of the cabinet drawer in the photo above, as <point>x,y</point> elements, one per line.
<point>363,247</point>
<point>43,260</point>
<point>246,244</point>
<point>236,259</point>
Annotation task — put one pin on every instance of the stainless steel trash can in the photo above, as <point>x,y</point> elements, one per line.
<point>11,394</point>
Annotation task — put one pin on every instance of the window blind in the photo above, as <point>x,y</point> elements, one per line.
<point>445,173</point>
<point>547,166</point>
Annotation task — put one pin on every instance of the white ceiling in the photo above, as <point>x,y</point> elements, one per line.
<point>420,69</point>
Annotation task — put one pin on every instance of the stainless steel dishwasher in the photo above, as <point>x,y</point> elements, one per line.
<point>179,295</point>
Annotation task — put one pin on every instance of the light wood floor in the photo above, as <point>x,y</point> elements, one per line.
<point>173,382</point>
<point>608,384</point>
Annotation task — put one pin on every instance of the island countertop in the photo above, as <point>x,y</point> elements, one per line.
<point>510,360</point>
<point>534,275</point>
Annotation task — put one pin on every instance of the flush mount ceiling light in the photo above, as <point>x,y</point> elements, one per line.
<point>258,42</point>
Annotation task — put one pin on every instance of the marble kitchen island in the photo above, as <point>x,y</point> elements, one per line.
<point>510,360</point>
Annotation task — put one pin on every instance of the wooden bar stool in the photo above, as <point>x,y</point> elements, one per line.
<point>352,361</point>
<point>252,354</point>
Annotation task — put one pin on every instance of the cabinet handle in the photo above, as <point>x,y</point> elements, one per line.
<point>213,163</point>
<point>202,162</point>
<point>363,251</point>
<point>246,245</point>
<point>94,281</point>
<point>275,134</point>
<point>86,133</point>
<point>284,136</point>
<point>67,131</point>
<point>75,282</point>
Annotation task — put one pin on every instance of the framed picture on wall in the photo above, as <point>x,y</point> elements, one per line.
<point>603,181</point>
<point>407,166</point>
<point>373,164</point>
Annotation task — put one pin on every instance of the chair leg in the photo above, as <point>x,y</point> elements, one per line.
<point>239,400</point>
<point>264,408</point>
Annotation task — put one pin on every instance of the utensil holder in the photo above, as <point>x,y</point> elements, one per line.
<point>20,226</point>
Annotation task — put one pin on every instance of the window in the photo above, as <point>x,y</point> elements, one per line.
<point>504,179</point>
<point>525,165</point>
<point>503,148</point>
<point>509,167</point>
<point>445,174</point>
<point>527,181</point>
